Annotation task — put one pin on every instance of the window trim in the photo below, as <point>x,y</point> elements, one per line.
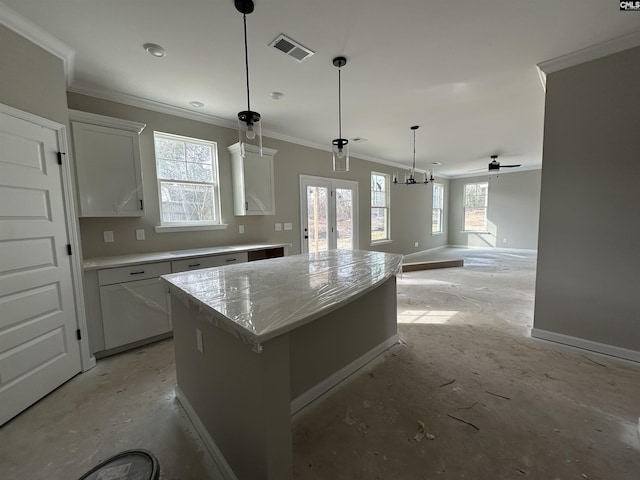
<point>441,209</point>
<point>165,227</point>
<point>464,209</point>
<point>387,207</point>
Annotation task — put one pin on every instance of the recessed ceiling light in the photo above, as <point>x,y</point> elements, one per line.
<point>155,50</point>
<point>436,163</point>
<point>277,95</point>
<point>195,104</point>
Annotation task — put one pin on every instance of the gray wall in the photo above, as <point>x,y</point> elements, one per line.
<point>512,212</point>
<point>411,206</point>
<point>32,79</point>
<point>588,256</point>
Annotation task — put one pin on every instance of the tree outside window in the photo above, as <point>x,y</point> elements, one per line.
<point>438,208</point>
<point>476,197</point>
<point>380,230</point>
<point>187,171</point>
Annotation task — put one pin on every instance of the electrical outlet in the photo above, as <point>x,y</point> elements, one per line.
<point>288,226</point>
<point>140,234</point>
<point>278,227</point>
<point>108,236</point>
<point>240,228</point>
<point>416,244</point>
<point>199,341</point>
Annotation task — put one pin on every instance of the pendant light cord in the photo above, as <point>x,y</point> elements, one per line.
<point>246,59</point>
<point>413,171</point>
<point>339,103</point>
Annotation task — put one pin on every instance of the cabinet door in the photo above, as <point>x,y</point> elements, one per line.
<point>134,311</point>
<point>258,184</point>
<point>108,169</point>
<point>253,187</point>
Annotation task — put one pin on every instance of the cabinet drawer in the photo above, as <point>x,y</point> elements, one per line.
<point>109,276</point>
<point>207,262</point>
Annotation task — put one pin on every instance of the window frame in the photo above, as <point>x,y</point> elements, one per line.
<point>386,208</point>
<point>177,226</point>
<point>484,184</point>
<point>439,209</point>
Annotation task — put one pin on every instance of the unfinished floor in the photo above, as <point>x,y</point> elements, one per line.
<point>467,394</point>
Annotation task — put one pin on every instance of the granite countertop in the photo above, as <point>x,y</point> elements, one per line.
<point>262,300</point>
<point>136,258</point>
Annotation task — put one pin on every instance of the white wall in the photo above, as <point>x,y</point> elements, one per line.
<point>410,205</point>
<point>512,212</point>
<point>588,256</point>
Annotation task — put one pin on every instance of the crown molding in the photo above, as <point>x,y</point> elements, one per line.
<point>168,109</point>
<point>593,52</point>
<point>25,28</point>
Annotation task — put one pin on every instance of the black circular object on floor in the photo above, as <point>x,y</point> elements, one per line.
<point>129,465</point>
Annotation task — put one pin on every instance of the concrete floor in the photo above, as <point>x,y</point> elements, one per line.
<point>495,404</point>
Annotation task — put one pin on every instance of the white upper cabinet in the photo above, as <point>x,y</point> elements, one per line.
<point>107,159</point>
<point>253,191</point>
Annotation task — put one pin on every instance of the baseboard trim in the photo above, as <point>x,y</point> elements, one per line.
<point>583,344</point>
<point>327,384</point>
<point>212,448</point>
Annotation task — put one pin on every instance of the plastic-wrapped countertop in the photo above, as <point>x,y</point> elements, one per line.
<point>258,301</point>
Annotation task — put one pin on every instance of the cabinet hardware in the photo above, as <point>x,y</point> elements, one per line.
<point>68,249</point>
<point>137,273</point>
<point>78,334</point>
<point>141,207</point>
<point>191,265</point>
<point>60,154</point>
<point>246,206</point>
<point>231,259</point>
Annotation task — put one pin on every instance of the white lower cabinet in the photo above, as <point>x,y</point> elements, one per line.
<point>128,306</point>
<point>134,303</point>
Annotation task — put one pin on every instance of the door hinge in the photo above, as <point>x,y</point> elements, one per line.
<point>141,205</point>
<point>60,154</point>
<point>78,334</point>
<point>246,206</point>
<point>332,193</point>
<point>68,249</point>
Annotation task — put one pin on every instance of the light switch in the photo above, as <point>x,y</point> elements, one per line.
<point>240,228</point>
<point>108,236</point>
<point>278,227</point>
<point>140,234</point>
<point>288,226</point>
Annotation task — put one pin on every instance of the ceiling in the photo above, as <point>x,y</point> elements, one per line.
<point>464,70</point>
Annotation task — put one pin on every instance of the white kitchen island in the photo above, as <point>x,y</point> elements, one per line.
<point>256,342</point>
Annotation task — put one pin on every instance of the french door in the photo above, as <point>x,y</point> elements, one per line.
<point>328,214</point>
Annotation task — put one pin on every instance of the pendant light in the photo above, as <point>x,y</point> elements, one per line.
<point>249,125</point>
<point>340,145</point>
<point>410,176</point>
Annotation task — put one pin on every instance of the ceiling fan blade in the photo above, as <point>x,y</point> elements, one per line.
<point>477,170</point>
<point>510,166</point>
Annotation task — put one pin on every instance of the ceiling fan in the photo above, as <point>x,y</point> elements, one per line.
<point>494,164</point>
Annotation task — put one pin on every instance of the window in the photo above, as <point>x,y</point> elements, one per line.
<point>476,196</point>
<point>187,170</point>
<point>438,208</point>
<point>379,207</point>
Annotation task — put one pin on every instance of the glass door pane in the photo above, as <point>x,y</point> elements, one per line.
<point>317,218</point>
<point>344,218</point>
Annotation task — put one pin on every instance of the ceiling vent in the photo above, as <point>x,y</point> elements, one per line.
<point>291,48</point>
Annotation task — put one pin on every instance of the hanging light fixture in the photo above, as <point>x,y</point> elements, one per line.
<point>410,176</point>
<point>249,126</point>
<point>340,145</point>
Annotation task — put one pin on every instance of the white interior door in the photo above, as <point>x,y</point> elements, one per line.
<point>328,214</point>
<point>38,346</point>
